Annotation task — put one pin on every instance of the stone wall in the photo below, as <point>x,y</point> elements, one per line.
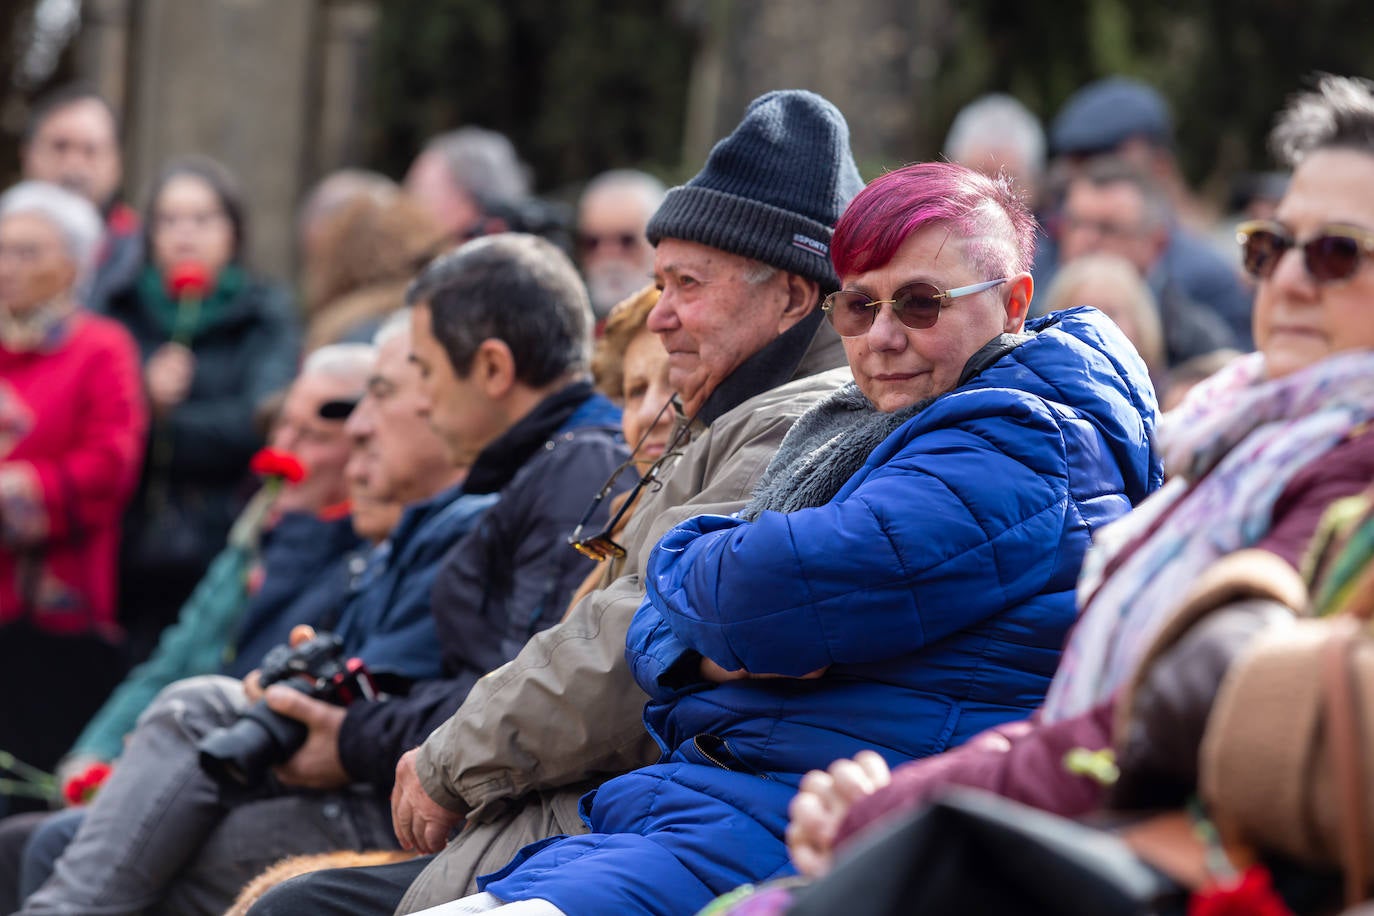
<point>873,58</point>
<point>273,88</point>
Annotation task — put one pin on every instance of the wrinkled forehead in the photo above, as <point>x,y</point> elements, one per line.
<point>612,207</point>
<point>1119,199</point>
<point>677,256</point>
<point>309,393</point>
<point>1330,186</point>
<point>29,227</point>
<point>80,119</point>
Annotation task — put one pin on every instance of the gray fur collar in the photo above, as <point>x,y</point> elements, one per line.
<point>822,450</point>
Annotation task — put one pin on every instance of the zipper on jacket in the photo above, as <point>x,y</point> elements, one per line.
<point>722,756</point>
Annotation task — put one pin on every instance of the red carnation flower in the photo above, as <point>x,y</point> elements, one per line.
<point>81,788</point>
<point>188,280</point>
<point>274,462</point>
<point>1251,893</point>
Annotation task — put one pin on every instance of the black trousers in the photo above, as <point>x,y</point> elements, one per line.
<point>373,891</point>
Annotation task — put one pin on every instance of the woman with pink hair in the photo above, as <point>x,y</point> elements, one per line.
<point>902,577</point>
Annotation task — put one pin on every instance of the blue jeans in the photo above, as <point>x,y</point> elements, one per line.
<point>159,837</point>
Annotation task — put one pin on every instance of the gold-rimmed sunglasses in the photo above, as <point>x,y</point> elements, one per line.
<point>601,546</point>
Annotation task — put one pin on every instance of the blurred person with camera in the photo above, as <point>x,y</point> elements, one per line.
<point>630,365</point>
<point>503,393</point>
<point>72,421</point>
<point>216,341</point>
<point>72,139</point>
<point>472,183</point>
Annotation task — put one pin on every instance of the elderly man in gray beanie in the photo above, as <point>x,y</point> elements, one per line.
<point>743,261</point>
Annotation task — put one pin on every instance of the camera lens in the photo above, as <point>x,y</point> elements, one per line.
<point>242,753</point>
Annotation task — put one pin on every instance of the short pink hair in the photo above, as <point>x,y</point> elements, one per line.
<point>986,211</point>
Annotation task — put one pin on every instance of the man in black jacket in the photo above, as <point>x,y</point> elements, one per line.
<point>500,335</point>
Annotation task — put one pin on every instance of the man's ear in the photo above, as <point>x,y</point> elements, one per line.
<point>1018,302</point>
<point>493,368</point>
<point>802,295</point>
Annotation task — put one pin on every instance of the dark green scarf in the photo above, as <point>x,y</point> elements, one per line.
<point>184,325</point>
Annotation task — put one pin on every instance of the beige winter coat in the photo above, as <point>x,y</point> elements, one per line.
<point>565,714</point>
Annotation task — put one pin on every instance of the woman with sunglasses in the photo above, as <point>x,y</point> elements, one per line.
<point>902,577</point>
<point>1255,454</point>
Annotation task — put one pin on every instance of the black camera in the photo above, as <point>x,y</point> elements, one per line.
<point>240,755</point>
<point>551,220</point>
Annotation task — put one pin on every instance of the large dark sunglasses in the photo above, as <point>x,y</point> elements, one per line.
<point>1334,253</point>
<point>916,305</point>
<point>620,241</point>
<point>601,546</point>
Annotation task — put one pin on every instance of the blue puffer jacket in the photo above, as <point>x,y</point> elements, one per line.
<point>937,586</point>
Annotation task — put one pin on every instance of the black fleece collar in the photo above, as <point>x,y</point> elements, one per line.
<point>772,366</point>
<point>500,460</point>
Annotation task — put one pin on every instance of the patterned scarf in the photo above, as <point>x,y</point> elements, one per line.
<point>1230,450</point>
<point>41,328</point>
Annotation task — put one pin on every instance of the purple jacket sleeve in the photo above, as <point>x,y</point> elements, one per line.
<point>1023,761</point>
<point>1344,471</point>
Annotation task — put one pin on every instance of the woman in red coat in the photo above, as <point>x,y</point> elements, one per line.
<point>72,422</point>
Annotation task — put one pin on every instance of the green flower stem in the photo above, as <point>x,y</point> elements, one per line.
<point>25,790</point>
<point>24,771</point>
<point>15,788</point>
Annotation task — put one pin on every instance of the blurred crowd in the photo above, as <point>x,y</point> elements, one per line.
<point>990,474</point>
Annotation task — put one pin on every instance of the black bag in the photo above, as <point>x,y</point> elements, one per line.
<point>973,852</point>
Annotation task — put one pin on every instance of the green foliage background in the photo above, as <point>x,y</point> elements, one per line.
<point>582,85</point>
<point>578,85</point>
<point>1226,66</point>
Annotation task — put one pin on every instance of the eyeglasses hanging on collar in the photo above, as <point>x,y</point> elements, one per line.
<point>601,546</point>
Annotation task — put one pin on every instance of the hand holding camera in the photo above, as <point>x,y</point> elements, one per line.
<point>239,755</point>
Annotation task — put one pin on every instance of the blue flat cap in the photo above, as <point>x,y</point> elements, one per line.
<point>1101,115</point>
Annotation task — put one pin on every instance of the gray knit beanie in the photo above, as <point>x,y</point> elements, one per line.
<point>772,190</point>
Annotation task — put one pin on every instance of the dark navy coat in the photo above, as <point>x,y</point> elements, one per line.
<point>388,622</point>
<point>508,578</point>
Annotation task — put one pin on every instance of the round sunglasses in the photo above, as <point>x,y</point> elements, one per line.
<point>916,305</point>
<point>1335,253</point>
